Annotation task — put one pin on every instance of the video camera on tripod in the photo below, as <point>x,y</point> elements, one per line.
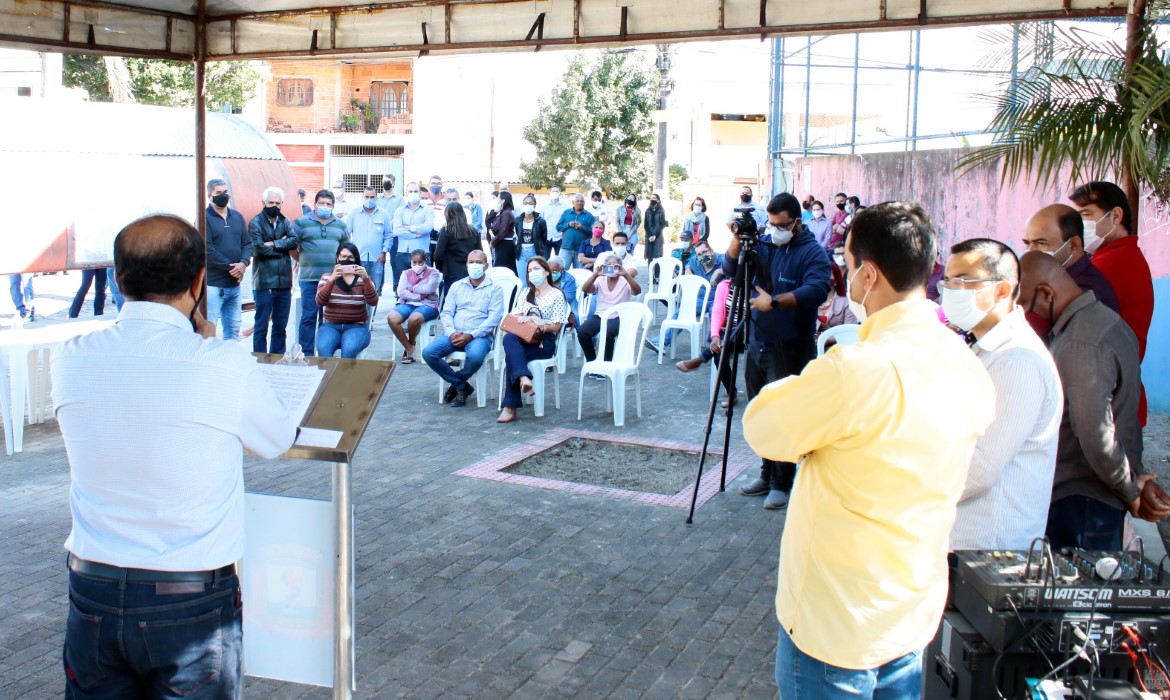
<point>745,227</point>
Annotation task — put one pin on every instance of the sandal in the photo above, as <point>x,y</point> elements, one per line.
<point>507,415</point>
<point>408,358</point>
<point>526,386</point>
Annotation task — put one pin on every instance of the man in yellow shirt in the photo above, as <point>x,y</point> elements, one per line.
<point>886,428</point>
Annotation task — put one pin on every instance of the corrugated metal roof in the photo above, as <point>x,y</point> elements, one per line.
<point>60,127</point>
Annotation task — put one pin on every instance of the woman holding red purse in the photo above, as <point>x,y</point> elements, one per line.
<point>545,309</point>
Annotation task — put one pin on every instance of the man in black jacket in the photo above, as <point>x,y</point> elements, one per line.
<point>271,234</point>
<point>785,296</point>
<point>228,250</point>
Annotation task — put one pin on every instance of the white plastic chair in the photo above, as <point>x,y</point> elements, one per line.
<point>667,269</point>
<point>845,334</point>
<point>539,370</point>
<point>579,276</point>
<point>690,289</point>
<point>634,323</point>
<point>481,378</point>
<point>497,272</point>
<point>429,330</point>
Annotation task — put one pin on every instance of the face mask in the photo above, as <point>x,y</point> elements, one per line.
<point>413,197</point>
<point>271,212</point>
<point>819,213</point>
<point>697,209</point>
<point>221,200</point>
<point>556,277</point>
<point>839,260</point>
<point>848,208</point>
<point>324,212</point>
<point>619,250</point>
<point>598,233</point>
<point>475,270</point>
<point>435,189</point>
<point>857,307</point>
<point>198,301</point>
<point>418,269</point>
<point>528,209</point>
<point>745,198</point>
<point>779,235</point>
<point>1062,255</point>
<point>653,203</point>
<point>962,307</point>
<point>536,277</point>
<point>840,206</point>
<point>630,202</point>
<point>468,201</point>
<point>1092,240</point>
<point>554,197</point>
<point>1042,326</point>
<point>706,259</point>
<point>386,187</point>
<point>370,202</point>
<point>597,205</point>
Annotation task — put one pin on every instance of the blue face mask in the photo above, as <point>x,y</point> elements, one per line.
<point>475,270</point>
<point>324,212</point>
<point>556,277</point>
<point>536,277</point>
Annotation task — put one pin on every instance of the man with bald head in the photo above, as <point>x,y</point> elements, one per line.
<point>1058,230</point>
<point>156,413</point>
<point>1099,473</point>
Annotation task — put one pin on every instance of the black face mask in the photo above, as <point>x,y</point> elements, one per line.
<point>386,186</point>
<point>272,212</point>
<point>198,301</point>
<point>653,203</point>
<point>630,202</point>
<point>221,200</point>
<point>841,206</point>
<point>745,198</point>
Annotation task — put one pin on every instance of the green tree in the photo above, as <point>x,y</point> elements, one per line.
<point>677,176</point>
<point>1084,102</point>
<point>170,83</point>
<point>596,129</point>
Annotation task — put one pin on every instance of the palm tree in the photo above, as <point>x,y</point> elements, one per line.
<point>1086,102</point>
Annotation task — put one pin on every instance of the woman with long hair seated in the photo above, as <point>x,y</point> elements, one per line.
<point>343,296</point>
<point>546,307</point>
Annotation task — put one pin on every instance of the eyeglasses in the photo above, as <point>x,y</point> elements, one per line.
<point>958,283</point>
<point>786,227</point>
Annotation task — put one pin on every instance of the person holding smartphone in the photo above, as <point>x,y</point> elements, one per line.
<point>343,295</point>
<point>616,286</point>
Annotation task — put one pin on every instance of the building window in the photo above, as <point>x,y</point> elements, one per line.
<point>294,92</point>
<point>389,99</point>
<point>24,92</point>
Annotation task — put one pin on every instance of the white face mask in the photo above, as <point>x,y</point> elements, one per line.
<point>1092,240</point>
<point>412,197</point>
<point>528,209</point>
<point>962,307</point>
<point>619,250</point>
<point>779,235</point>
<point>554,197</point>
<point>857,307</point>
<point>468,201</point>
<point>697,209</point>
<point>418,269</point>
<point>840,260</point>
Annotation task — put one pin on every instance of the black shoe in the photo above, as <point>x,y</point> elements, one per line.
<point>757,487</point>
<point>449,395</point>
<point>460,399</point>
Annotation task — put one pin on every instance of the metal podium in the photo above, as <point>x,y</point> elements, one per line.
<point>345,402</point>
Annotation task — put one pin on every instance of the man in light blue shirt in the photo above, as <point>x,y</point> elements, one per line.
<point>371,231</point>
<point>746,202</point>
<point>413,223</point>
<point>471,313</point>
<point>551,213</point>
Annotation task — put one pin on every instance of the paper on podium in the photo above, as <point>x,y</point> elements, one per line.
<point>295,385</point>
<point>319,437</point>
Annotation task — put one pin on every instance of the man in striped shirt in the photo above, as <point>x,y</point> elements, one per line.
<point>317,236</point>
<point>1005,502</point>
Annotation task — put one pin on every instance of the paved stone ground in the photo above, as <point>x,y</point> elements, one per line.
<point>468,587</point>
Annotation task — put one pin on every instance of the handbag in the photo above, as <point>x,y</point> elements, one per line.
<point>528,332</point>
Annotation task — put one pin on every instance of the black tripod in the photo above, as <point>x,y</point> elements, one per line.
<point>736,332</point>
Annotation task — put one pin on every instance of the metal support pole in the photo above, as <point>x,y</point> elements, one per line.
<point>201,118</point>
<point>776,114</point>
<point>807,90</point>
<point>343,652</point>
<point>856,67</point>
<point>917,81</point>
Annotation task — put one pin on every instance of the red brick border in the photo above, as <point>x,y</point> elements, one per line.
<point>492,468</point>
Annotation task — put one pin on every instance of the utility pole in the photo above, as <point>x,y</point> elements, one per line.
<point>665,86</point>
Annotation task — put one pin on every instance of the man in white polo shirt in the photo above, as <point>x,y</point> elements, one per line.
<point>156,413</point>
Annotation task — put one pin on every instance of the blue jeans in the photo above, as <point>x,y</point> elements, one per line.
<point>352,338</point>
<point>526,254</point>
<point>377,272</point>
<point>517,355</point>
<point>98,282</point>
<point>310,315</point>
<point>1080,521</point>
<point>801,677</point>
<point>572,245</point>
<point>128,640</point>
<point>441,347</point>
<point>271,305</point>
<point>112,285</point>
<point>18,299</point>
<point>223,304</point>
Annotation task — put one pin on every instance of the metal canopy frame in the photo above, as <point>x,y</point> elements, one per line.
<point>251,29</point>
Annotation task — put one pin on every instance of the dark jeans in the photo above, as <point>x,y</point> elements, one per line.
<point>96,278</point>
<point>310,317</point>
<point>762,367</point>
<point>725,374</point>
<point>274,305</point>
<point>1080,521</point>
<point>551,248</point>
<point>587,334</point>
<point>131,640</point>
<point>517,355</point>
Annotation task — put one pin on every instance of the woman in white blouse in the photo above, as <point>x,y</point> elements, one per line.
<point>546,307</point>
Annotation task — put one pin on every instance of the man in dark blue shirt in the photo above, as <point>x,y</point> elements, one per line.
<point>229,248</point>
<point>783,323</point>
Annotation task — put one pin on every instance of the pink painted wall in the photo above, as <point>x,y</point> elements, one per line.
<point>961,207</point>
